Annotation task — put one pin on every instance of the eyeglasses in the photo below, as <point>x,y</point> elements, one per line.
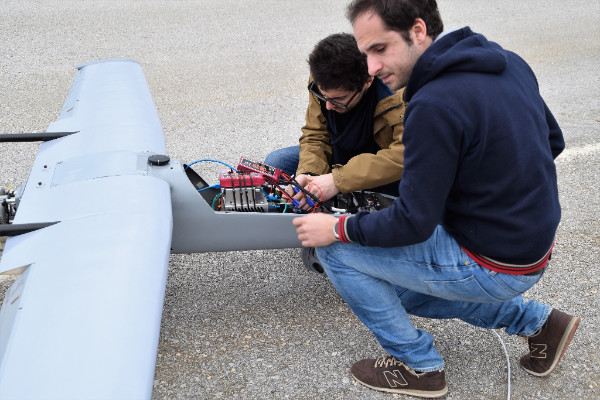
<point>338,104</point>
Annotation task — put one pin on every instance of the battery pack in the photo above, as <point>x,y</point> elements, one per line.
<point>236,180</point>
<point>247,165</point>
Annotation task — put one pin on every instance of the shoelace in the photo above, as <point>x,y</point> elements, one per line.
<point>387,361</point>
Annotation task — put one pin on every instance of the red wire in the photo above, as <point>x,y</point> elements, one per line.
<point>320,191</point>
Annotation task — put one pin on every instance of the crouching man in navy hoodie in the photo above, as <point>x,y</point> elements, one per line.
<point>474,224</point>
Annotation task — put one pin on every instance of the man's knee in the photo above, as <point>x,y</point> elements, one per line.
<point>275,158</point>
<point>327,255</point>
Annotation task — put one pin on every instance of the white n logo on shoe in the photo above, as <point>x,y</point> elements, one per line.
<point>394,378</point>
<point>538,350</point>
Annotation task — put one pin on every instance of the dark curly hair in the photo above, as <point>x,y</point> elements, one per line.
<point>336,63</point>
<point>400,15</point>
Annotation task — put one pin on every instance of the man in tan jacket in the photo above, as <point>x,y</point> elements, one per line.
<point>352,139</point>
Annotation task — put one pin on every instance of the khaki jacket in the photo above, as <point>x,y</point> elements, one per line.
<point>364,171</point>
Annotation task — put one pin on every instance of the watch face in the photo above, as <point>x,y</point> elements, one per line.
<point>335,231</point>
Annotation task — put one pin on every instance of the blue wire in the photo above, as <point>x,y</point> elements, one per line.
<point>308,200</point>
<point>217,161</point>
<point>215,186</point>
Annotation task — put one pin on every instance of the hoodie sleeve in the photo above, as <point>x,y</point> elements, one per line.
<point>432,154</point>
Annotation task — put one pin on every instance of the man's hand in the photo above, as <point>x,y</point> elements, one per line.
<point>315,230</point>
<point>322,187</point>
<point>302,179</point>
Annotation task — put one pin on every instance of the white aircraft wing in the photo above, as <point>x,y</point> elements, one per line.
<point>83,319</point>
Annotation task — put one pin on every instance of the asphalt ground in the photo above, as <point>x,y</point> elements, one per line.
<point>229,79</point>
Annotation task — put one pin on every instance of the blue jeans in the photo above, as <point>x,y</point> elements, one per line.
<point>433,279</point>
<point>285,159</point>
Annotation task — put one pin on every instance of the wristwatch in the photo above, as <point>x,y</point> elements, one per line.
<point>336,230</point>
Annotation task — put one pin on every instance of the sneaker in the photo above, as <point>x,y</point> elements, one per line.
<point>548,345</point>
<point>390,375</point>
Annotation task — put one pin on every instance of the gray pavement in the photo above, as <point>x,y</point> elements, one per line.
<point>229,79</point>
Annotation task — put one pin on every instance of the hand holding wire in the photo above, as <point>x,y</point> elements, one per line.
<point>322,186</point>
<point>306,199</point>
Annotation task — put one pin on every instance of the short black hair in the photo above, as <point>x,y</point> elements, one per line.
<point>336,63</point>
<point>400,15</point>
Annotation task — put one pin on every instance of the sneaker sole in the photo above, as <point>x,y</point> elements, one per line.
<point>562,347</point>
<point>429,394</point>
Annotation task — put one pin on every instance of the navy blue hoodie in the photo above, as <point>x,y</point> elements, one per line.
<point>480,144</point>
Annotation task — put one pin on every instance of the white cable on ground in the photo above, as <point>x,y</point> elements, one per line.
<point>507,360</point>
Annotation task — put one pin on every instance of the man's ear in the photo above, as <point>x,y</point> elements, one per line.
<point>418,32</point>
<point>368,83</point>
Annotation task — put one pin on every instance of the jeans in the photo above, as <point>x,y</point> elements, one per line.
<point>285,159</point>
<point>433,279</point>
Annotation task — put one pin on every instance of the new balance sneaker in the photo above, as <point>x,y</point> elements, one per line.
<point>388,374</point>
<point>548,345</point>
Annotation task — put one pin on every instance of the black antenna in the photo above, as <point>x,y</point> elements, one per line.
<point>33,137</point>
<point>19,229</point>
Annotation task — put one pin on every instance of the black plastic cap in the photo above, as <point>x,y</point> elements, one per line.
<point>158,159</point>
